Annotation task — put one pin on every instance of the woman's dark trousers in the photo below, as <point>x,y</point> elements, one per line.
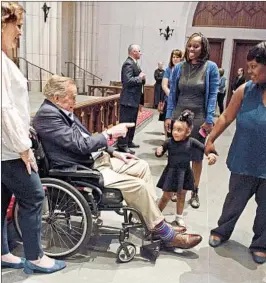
<point>241,189</point>
<point>29,194</point>
<point>220,101</point>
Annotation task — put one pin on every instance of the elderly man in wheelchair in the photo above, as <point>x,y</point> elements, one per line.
<point>85,177</point>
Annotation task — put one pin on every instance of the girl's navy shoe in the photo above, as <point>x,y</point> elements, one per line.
<point>13,265</point>
<point>30,268</point>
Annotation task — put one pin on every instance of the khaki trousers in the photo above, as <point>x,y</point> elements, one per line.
<point>134,180</point>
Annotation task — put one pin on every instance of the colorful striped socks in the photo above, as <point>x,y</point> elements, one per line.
<point>165,232</point>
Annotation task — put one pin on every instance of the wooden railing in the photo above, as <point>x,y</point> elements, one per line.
<point>99,113</point>
<point>104,90</point>
<point>84,72</point>
<point>41,70</point>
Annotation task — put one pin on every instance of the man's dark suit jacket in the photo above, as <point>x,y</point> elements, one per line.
<point>61,137</point>
<point>132,85</point>
<point>238,82</point>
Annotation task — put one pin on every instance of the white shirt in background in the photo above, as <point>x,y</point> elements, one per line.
<point>15,111</point>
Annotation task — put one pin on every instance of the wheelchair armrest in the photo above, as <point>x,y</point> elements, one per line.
<point>88,173</point>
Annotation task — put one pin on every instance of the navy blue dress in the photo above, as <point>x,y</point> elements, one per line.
<point>178,174</point>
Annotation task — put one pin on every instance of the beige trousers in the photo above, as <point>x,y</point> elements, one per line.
<point>134,180</point>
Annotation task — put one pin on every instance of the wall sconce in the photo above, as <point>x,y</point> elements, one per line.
<point>45,11</point>
<point>167,32</point>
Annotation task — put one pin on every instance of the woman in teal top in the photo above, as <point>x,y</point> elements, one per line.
<point>247,155</point>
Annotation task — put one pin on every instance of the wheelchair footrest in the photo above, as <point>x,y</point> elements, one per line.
<point>151,251</point>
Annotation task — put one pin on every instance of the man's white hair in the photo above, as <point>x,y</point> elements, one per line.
<point>132,47</point>
<point>57,86</point>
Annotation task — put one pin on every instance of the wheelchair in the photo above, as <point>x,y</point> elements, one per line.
<point>72,209</point>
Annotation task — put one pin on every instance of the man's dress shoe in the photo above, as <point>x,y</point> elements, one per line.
<point>125,149</point>
<point>184,241</point>
<point>133,145</point>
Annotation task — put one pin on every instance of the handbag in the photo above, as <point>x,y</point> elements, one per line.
<point>160,107</point>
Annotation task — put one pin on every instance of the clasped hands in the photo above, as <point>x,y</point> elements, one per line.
<point>28,158</point>
<point>126,157</point>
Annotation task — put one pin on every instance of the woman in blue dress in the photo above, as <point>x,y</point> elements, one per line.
<point>247,155</point>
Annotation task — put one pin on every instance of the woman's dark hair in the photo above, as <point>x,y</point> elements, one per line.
<point>178,53</point>
<point>258,53</point>
<point>221,71</point>
<point>187,116</point>
<point>205,47</point>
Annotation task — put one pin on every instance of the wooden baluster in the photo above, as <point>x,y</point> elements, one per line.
<point>106,113</point>
<point>91,118</point>
<point>101,115</point>
<point>114,109</point>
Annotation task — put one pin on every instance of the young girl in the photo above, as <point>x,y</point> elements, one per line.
<point>177,176</point>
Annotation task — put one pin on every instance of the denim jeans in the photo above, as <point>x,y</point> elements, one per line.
<point>29,194</point>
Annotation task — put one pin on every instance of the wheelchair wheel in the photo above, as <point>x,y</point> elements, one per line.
<point>126,252</point>
<point>66,219</point>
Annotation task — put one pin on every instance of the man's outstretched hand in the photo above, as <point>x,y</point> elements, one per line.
<point>120,130</point>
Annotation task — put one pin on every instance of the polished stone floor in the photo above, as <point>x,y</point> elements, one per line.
<point>230,263</point>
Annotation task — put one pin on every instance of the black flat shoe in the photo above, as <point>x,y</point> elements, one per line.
<point>214,242</point>
<point>258,259</point>
<point>133,145</point>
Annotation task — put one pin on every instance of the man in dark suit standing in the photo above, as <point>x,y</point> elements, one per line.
<point>131,97</point>
<point>239,80</point>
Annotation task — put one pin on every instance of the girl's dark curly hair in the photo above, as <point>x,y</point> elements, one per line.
<point>187,116</point>
<point>205,47</point>
<point>258,53</point>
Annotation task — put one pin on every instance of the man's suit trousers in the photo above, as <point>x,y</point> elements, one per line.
<point>134,179</point>
<point>128,114</point>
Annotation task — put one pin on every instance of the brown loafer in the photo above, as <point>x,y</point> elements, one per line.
<point>184,241</point>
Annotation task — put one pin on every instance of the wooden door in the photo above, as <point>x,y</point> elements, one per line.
<point>239,60</point>
<point>216,50</point>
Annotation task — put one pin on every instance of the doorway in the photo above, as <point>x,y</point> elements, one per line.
<point>216,50</point>
<point>240,51</point>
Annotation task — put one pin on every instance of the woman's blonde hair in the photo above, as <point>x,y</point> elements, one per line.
<point>57,85</point>
<point>10,12</point>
